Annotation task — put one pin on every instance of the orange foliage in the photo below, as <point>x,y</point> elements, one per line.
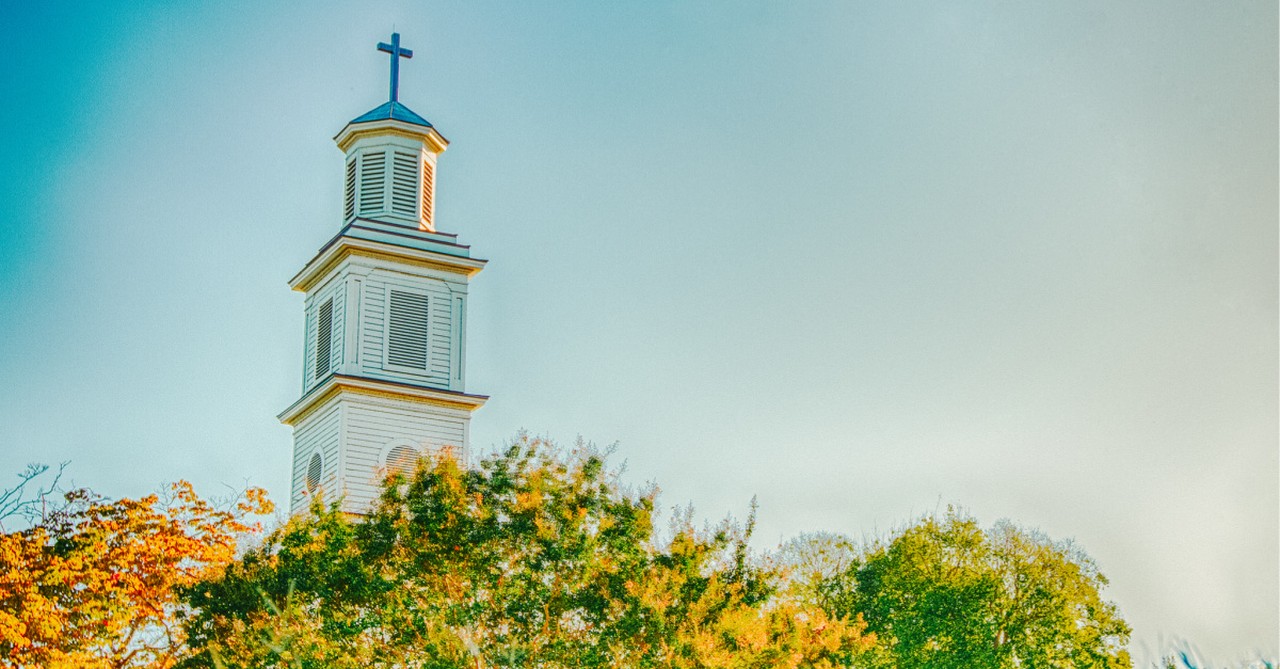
<point>96,585</point>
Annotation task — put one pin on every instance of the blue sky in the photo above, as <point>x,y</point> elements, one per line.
<point>858,259</point>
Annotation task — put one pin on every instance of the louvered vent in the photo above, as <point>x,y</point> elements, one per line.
<point>404,183</point>
<point>314,469</point>
<point>402,460</point>
<point>324,338</point>
<point>428,192</point>
<point>407,338</point>
<point>349,193</point>
<point>373,177</point>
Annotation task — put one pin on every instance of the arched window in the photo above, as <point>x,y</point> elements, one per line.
<point>314,469</point>
<point>402,460</point>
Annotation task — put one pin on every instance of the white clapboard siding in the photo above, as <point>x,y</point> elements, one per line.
<point>441,345</point>
<point>372,427</point>
<point>458,338</point>
<point>336,348</point>
<point>374,361</point>
<point>314,373</point>
<point>317,433</point>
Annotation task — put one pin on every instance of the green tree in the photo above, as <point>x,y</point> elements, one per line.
<point>534,557</point>
<point>946,593</point>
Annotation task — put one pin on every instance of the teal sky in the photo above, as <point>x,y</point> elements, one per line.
<point>859,259</point>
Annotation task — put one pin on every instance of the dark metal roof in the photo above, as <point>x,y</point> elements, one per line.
<point>392,110</point>
<point>398,235</point>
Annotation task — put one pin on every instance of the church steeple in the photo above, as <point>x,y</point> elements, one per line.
<point>386,304</point>
<point>391,154</point>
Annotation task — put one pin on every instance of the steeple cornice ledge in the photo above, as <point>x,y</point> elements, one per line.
<point>339,383</point>
<point>428,135</point>
<point>343,246</point>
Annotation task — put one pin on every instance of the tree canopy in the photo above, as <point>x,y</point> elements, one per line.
<point>945,593</point>
<point>94,583</point>
<point>531,558</point>
<point>535,556</point>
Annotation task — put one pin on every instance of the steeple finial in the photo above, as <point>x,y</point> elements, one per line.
<point>396,54</point>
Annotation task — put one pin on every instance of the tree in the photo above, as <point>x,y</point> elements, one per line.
<point>945,593</point>
<point>93,584</point>
<point>28,505</point>
<point>811,567</point>
<point>535,557</point>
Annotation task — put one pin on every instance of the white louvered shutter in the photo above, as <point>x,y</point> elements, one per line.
<point>314,469</point>
<point>402,460</point>
<point>407,335</point>
<point>324,338</point>
<point>373,178</point>
<point>428,193</point>
<point>404,183</point>
<point>349,192</point>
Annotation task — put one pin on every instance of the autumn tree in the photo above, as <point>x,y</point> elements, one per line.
<point>93,583</point>
<point>946,593</point>
<point>535,557</point>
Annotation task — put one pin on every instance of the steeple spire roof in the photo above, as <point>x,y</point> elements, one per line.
<point>392,110</point>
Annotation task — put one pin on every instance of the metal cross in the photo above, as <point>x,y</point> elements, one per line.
<point>396,54</point>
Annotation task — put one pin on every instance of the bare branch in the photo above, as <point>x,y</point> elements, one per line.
<point>22,502</point>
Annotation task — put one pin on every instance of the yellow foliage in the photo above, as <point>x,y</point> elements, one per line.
<point>98,585</point>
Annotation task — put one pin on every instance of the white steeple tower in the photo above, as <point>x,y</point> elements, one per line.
<point>386,299</point>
